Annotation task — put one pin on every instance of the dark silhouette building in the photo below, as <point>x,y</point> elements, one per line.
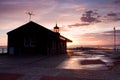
<point>34,39</point>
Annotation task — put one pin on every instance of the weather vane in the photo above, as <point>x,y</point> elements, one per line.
<point>30,14</point>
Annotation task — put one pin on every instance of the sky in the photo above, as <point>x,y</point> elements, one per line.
<point>85,22</point>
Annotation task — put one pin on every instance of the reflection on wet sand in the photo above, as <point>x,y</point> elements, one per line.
<point>81,60</point>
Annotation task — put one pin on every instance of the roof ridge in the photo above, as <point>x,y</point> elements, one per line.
<point>29,23</point>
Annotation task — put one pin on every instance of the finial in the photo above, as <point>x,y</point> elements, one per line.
<point>56,23</point>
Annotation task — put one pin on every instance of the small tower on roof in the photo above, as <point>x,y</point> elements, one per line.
<point>56,29</point>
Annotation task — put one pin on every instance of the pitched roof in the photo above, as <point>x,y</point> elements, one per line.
<point>64,38</point>
<point>29,24</point>
<point>32,25</point>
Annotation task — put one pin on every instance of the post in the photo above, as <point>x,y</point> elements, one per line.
<point>114,40</point>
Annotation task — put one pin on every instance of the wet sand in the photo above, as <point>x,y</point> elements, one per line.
<point>79,65</point>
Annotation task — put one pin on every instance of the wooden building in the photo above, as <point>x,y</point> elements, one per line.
<point>34,39</point>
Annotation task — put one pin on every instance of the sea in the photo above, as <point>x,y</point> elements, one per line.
<point>110,47</point>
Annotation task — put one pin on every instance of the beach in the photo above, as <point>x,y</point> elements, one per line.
<point>77,65</point>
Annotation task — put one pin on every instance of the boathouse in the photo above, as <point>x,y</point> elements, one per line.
<point>34,39</point>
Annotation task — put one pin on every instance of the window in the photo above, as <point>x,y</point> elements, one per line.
<point>32,42</point>
<point>29,42</point>
<point>26,42</point>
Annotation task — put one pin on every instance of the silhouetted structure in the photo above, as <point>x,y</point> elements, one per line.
<point>34,39</point>
<point>114,39</point>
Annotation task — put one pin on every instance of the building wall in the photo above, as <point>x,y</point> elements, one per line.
<point>38,44</point>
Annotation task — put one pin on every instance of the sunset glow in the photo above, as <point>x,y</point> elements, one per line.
<point>85,22</point>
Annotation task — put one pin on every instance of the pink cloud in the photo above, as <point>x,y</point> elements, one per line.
<point>79,8</point>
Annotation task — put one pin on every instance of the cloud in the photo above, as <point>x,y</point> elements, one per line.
<point>112,17</point>
<point>78,25</point>
<point>111,14</point>
<point>117,2</point>
<point>10,9</point>
<point>90,17</point>
<point>103,38</point>
<point>65,15</point>
<point>79,8</point>
<point>63,28</point>
<point>111,32</point>
<point>15,5</point>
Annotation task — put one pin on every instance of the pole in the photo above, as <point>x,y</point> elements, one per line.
<point>114,39</point>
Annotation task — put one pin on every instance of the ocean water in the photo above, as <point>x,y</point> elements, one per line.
<point>111,47</point>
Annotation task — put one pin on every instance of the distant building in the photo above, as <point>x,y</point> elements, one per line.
<point>34,39</point>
